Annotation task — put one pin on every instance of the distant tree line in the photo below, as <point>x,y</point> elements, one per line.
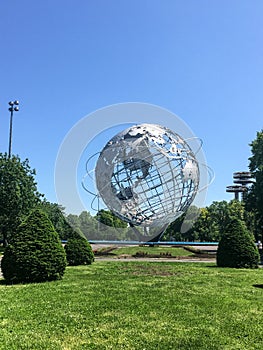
<point>209,225</point>
<point>205,224</point>
<point>19,195</point>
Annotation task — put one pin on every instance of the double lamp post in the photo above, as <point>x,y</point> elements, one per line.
<point>13,108</point>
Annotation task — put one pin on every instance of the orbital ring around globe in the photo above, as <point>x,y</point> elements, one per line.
<point>147,174</point>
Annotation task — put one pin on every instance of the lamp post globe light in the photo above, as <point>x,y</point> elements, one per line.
<point>13,108</point>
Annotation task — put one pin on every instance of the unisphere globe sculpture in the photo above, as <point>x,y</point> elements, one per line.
<point>147,175</point>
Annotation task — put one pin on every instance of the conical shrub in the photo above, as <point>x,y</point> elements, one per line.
<point>35,253</point>
<point>236,247</point>
<point>78,251</point>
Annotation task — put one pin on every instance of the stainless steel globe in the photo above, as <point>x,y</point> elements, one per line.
<point>147,175</point>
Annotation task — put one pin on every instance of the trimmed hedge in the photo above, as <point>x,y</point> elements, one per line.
<point>35,253</point>
<point>78,251</point>
<point>236,247</point>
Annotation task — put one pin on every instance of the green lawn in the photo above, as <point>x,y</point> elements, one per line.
<point>136,305</point>
<point>132,250</point>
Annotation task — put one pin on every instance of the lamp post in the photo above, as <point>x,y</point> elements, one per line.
<point>13,107</point>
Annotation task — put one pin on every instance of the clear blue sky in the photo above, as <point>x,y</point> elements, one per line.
<point>200,59</point>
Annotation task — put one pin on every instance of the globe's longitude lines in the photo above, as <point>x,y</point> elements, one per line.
<point>185,194</point>
<point>151,175</point>
<point>150,200</point>
<point>157,194</point>
<point>149,215</point>
<point>156,204</point>
<point>173,180</point>
<point>168,187</point>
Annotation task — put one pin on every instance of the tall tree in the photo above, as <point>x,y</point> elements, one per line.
<point>108,218</point>
<point>18,193</point>
<point>73,220</point>
<point>254,199</point>
<point>206,228</point>
<point>182,229</point>
<point>221,212</point>
<point>55,214</point>
<point>88,225</point>
<point>212,221</point>
<point>110,226</point>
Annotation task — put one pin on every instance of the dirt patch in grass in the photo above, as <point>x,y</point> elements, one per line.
<point>150,270</point>
<point>105,251</point>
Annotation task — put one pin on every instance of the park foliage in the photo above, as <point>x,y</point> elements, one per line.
<point>237,248</point>
<point>79,251</point>
<point>35,253</point>
<point>18,193</point>
<point>19,196</point>
<point>254,199</point>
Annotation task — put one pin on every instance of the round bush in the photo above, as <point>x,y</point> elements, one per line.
<point>35,253</point>
<point>79,252</point>
<point>236,247</point>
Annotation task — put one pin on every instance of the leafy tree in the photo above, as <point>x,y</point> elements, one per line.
<point>35,253</point>
<point>109,219</point>
<point>73,220</point>
<point>112,227</point>
<point>221,212</point>
<point>79,251</point>
<point>254,200</point>
<point>55,214</point>
<point>209,225</point>
<point>18,193</point>
<point>84,223</point>
<point>206,228</point>
<point>173,231</point>
<point>104,225</point>
<point>251,220</point>
<point>182,228</point>
<point>88,225</point>
<point>236,247</point>
<point>189,220</point>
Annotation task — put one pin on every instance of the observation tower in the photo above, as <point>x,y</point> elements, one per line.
<point>242,179</point>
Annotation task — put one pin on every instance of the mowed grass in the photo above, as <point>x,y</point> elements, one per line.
<point>136,305</point>
<point>133,250</point>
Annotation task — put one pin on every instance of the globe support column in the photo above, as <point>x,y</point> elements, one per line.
<point>159,236</point>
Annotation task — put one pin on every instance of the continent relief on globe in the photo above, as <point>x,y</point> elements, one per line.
<point>147,175</point>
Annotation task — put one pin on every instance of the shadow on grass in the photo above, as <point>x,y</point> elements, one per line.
<point>258,285</point>
<point>3,282</point>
